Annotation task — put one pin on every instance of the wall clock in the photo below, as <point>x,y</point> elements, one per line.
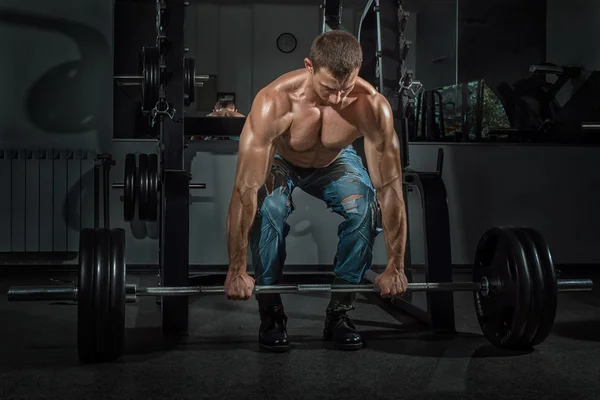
<point>286,42</point>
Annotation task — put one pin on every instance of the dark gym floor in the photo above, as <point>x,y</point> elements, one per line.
<point>220,358</point>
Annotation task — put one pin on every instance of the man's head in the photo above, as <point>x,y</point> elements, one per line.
<point>335,59</point>
<point>225,104</point>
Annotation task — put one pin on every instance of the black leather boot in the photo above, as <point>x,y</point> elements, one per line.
<point>338,327</point>
<point>272,334</point>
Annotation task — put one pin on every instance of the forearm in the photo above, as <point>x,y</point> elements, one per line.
<point>393,218</point>
<point>240,217</point>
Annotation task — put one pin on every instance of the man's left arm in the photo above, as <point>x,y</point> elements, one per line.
<point>382,150</point>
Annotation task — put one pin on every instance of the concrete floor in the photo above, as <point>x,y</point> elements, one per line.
<point>220,357</point>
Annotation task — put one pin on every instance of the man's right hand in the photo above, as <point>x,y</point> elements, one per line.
<point>238,286</point>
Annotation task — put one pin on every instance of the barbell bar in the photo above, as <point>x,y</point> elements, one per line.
<point>136,80</point>
<point>515,290</point>
<point>121,185</point>
<point>151,77</point>
<point>69,293</point>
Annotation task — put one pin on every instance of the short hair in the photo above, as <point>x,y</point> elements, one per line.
<point>337,51</point>
<point>224,103</point>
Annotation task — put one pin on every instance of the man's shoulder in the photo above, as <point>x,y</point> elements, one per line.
<point>284,84</point>
<point>373,108</point>
<point>373,104</point>
<point>277,93</point>
<point>368,96</point>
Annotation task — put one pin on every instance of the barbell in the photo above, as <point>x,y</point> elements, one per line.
<point>141,182</point>
<point>150,79</point>
<point>514,284</point>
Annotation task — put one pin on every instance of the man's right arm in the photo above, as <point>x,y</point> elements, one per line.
<point>255,155</point>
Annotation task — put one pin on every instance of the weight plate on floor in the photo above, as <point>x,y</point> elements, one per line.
<point>503,313</point>
<point>86,323</point>
<point>152,202</point>
<point>129,190</point>
<point>116,311</point>
<point>150,77</point>
<point>189,80</point>
<point>548,313</point>
<point>536,274</point>
<point>143,195</point>
<point>102,295</point>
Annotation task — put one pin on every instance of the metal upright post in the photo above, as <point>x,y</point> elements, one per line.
<point>174,222</point>
<point>379,54</point>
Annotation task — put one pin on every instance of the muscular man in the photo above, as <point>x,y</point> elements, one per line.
<point>299,134</point>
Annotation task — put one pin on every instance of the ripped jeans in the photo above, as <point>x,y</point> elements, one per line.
<point>345,187</point>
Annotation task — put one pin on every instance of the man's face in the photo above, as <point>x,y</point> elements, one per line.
<point>332,90</point>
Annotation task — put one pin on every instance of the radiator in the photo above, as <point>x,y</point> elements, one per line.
<point>46,198</point>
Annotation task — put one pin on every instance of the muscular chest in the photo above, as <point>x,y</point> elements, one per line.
<point>320,128</point>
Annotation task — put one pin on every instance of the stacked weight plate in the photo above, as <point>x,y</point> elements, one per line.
<point>520,310</point>
<point>141,187</point>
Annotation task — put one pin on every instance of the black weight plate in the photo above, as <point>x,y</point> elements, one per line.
<point>503,314</point>
<point>189,73</point>
<point>86,322</point>
<point>150,77</point>
<point>116,325</point>
<point>550,287</point>
<point>102,295</point>
<point>152,202</point>
<point>537,288</point>
<point>129,190</point>
<point>143,210</point>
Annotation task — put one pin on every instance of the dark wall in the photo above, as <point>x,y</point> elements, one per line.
<point>135,27</point>
<point>436,44</point>
<point>56,74</point>
<point>499,39</point>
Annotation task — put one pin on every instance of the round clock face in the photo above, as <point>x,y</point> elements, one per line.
<point>286,43</point>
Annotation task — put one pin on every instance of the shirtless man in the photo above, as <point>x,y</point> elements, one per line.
<point>299,134</point>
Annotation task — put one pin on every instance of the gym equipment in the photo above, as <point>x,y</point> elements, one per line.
<point>590,127</point>
<point>190,80</point>
<point>211,126</point>
<point>150,78</point>
<point>331,15</point>
<point>514,284</point>
<point>143,184</point>
<point>101,295</point>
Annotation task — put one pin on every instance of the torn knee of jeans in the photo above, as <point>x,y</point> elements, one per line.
<point>349,203</point>
<point>351,177</point>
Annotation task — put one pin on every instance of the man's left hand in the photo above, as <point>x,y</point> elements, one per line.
<point>392,283</point>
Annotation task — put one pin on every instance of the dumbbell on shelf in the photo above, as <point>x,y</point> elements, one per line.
<point>514,284</point>
<point>142,184</point>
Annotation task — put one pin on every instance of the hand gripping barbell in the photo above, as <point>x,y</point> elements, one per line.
<point>514,285</point>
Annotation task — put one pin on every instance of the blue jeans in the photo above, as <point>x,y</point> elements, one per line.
<point>347,190</point>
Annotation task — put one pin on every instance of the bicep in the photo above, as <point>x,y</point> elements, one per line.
<point>255,155</point>
<point>382,150</point>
